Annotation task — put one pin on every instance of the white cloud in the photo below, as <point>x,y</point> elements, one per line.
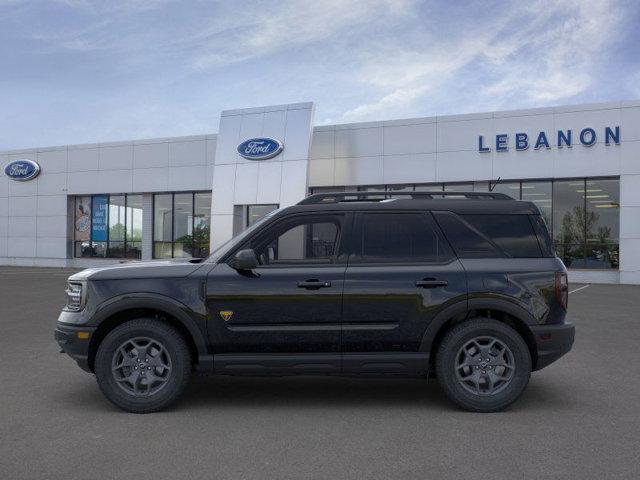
<point>555,63</point>
<point>254,33</point>
<point>543,52</point>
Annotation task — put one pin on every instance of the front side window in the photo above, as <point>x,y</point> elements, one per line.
<point>398,238</point>
<point>303,240</point>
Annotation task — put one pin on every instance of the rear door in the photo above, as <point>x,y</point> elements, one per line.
<point>401,273</point>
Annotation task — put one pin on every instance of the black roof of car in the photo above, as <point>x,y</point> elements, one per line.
<point>457,202</point>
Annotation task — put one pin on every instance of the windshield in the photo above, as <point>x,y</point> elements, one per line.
<point>230,244</point>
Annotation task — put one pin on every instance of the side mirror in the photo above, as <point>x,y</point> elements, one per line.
<point>245,260</point>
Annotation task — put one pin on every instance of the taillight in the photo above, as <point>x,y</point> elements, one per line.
<point>562,289</point>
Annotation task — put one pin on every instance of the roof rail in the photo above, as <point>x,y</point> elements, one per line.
<point>338,197</point>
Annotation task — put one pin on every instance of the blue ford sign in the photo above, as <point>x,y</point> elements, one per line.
<point>565,138</point>
<point>260,148</point>
<point>22,170</point>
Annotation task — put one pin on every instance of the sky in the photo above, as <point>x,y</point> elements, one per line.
<point>80,71</point>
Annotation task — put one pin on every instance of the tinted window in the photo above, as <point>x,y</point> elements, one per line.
<point>544,239</point>
<point>466,242</point>
<point>303,240</point>
<point>400,237</point>
<point>514,234</point>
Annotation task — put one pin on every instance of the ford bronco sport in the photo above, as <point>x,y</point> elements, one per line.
<point>463,286</point>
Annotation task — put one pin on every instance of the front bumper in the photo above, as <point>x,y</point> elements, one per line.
<point>552,342</point>
<point>74,341</point>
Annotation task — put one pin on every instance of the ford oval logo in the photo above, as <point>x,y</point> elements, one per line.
<point>260,148</point>
<point>22,170</point>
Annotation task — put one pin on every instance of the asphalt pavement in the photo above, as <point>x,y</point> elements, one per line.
<point>579,418</point>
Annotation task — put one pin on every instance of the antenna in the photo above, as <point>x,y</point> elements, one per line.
<point>494,185</point>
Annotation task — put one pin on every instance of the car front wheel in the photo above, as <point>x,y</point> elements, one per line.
<point>483,365</point>
<point>143,365</point>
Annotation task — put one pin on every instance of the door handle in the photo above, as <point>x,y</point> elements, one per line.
<point>313,284</point>
<point>431,283</point>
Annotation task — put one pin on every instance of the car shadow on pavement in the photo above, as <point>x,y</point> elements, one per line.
<point>305,391</point>
<point>221,392</point>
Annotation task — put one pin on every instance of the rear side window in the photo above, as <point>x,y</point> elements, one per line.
<point>400,237</point>
<point>466,241</point>
<point>514,234</point>
<point>544,239</point>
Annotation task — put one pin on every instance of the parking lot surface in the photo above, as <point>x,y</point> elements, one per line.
<point>579,418</point>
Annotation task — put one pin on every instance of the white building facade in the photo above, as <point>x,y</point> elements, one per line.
<point>85,205</point>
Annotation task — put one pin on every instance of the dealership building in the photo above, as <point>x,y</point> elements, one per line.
<point>92,204</point>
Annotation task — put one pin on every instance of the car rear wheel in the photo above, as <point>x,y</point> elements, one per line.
<point>143,365</point>
<point>483,365</point>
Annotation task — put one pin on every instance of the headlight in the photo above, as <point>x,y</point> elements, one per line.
<point>75,296</point>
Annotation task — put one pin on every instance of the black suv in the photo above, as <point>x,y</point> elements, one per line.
<point>464,286</point>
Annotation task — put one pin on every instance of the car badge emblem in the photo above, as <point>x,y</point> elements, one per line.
<point>226,315</point>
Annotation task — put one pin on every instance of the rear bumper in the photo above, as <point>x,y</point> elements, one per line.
<point>552,342</point>
<point>74,345</point>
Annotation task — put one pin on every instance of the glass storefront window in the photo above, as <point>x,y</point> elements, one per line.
<point>162,225</point>
<point>116,226</point>
<point>108,226</point>
<point>201,224</point>
<point>82,227</point>
<point>603,223</point>
<point>540,193</point>
<point>458,187</point>
<point>134,226</point>
<point>568,212</point>
<point>511,189</point>
<point>182,224</point>
<point>257,212</point>
<point>429,187</point>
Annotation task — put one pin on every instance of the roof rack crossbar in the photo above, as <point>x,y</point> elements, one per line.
<point>338,197</point>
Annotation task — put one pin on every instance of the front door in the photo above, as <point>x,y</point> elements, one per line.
<point>401,273</point>
<point>286,314</point>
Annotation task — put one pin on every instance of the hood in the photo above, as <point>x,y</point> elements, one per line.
<point>131,270</point>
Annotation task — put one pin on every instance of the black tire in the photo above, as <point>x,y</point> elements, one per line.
<point>451,375</point>
<point>175,375</point>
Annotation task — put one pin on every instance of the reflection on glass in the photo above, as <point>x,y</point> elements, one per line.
<point>201,224</point>
<point>372,188</point>
<point>399,188</point>
<point>458,187</point>
<point>257,212</point>
<point>429,187</point>
<point>134,226</point>
<point>117,219</point>
<point>182,224</point>
<point>603,256</point>
<point>162,225</point>
<point>568,212</point>
<point>480,186</point>
<point>571,255</point>
<point>511,189</point>
<point>327,190</point>
<point>82,226</point>
<point>539,193</point>
<point>603,211</point>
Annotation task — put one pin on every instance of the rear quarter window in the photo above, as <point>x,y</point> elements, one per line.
<point>513,234</point>
<point>466,240</point>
